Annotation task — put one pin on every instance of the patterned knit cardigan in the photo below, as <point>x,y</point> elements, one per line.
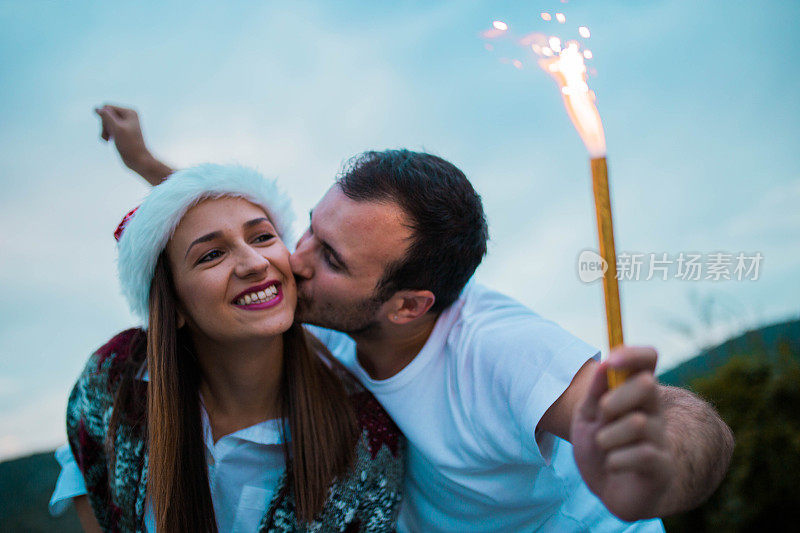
<point>366,500</point>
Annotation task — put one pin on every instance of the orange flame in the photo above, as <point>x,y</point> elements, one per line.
<point>568,69</point>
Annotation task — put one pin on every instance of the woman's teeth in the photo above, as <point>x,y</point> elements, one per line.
<point>259,297</point>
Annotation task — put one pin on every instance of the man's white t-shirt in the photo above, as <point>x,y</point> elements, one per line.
<point>468,405</point>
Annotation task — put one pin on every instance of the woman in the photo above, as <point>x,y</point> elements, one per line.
<point>202,263</point>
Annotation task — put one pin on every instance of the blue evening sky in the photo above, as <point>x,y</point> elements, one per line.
<point>699,102</point>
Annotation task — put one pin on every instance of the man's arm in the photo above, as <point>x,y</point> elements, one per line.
<point>703,445</point>
<point>644,449</point>
<point>122,125</point>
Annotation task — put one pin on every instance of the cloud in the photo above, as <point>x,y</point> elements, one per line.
<point>23,430</point>
<point>771,216</point>
<point>296,89</point>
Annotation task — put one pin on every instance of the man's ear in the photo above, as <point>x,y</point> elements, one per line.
<point>410,305</point>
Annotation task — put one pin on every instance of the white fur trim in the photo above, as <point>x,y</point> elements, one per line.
<point>152,225</point>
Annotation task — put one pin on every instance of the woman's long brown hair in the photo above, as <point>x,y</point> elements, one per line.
<point>320,446</point>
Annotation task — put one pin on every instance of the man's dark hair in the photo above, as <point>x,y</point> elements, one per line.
<point>445,215</point>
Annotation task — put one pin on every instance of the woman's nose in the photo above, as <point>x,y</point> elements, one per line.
<point>250,263</point>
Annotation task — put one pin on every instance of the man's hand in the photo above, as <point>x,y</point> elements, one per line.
<point>122,125</point>
<point>619,437</point>
<point>644,449</point>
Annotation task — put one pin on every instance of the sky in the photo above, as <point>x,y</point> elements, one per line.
<point>698,100</point>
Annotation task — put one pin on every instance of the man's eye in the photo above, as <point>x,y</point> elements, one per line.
<point>210,256</point>
<point>331,262</point>
<point>264,237</point>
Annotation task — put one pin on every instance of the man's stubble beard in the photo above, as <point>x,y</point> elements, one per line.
<point>358,319</point>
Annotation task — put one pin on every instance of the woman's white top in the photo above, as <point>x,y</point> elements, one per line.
<point>243,472</point>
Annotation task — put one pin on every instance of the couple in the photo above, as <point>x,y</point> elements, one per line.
<point>488,395</point>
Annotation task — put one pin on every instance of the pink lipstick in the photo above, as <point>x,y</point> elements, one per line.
<point>259,297</point>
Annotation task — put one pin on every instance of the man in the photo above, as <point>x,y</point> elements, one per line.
<point>488,394</point>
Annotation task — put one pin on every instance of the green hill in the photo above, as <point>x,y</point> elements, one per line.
<point>740,364</point>
<point>754,382</point>
<point>25,488</point>
<point>769,341</point>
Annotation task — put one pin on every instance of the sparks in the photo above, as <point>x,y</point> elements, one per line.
<point>568,69</point>
<point>565,63</point>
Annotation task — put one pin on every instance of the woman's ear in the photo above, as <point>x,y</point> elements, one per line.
<point>181,319</point>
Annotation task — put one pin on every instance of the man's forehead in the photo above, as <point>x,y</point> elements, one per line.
<point>365,233</point>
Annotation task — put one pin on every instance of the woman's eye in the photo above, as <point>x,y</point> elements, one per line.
<point>210,256</point>
<point>264,237</point>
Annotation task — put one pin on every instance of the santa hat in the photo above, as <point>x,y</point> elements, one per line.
<point>144,232</point>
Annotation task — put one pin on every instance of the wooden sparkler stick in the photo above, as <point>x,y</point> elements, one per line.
<point>605,230</point>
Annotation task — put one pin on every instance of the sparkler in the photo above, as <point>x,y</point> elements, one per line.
<point>568,69</point>
<point>565,64</point>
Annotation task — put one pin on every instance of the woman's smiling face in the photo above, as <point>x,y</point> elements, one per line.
<point>231,272</point>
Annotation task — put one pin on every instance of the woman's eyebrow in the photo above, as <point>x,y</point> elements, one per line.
<point>255,222</point>
<point>205,238</point>
<point>215,234</point>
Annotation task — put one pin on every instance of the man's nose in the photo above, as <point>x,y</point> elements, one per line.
<point>300,259</point>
